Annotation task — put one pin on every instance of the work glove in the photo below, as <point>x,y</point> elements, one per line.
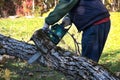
<point>66,21</point>
<point>45,26</point>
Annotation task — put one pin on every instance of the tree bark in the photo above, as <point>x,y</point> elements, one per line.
<point>76,67</point>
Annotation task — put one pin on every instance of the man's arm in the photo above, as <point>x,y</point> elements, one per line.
<point>62,8</point>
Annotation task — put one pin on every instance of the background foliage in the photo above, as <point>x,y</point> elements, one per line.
<point>38,7</point>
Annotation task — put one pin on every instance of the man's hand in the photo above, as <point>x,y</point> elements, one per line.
<point>66,21</point>
<point>45,26</point>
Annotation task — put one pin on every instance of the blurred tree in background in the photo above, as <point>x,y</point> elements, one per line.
<point>33,7</point>
<point>112,5</point>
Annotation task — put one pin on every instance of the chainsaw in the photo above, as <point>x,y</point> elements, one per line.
<point>57,32</point>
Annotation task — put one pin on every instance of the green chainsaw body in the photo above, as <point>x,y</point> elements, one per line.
<point>56,33</point>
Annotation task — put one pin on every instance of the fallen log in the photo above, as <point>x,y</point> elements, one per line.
<point>76,67</point>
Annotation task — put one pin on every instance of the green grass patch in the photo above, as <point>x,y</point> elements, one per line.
<point>20,28</point>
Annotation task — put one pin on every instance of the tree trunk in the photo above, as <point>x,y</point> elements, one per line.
<point>76,67</point>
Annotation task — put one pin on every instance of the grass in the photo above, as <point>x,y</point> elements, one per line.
<point>20,28</point>
<point>23,28</point>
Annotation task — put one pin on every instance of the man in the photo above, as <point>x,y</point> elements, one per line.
<point>89,16</point>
